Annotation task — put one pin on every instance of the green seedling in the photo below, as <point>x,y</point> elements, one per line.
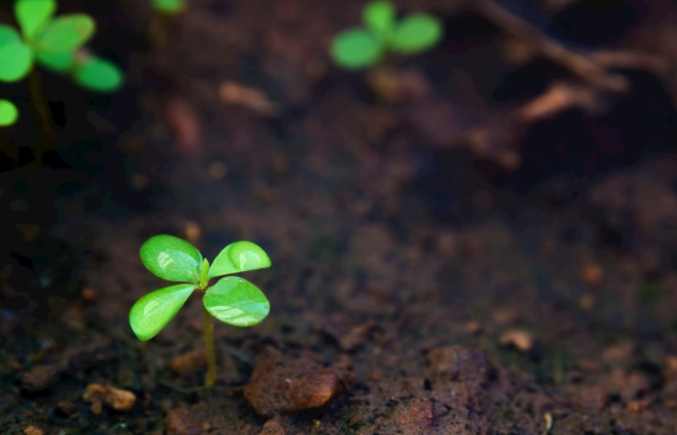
<point>164,9</point>
<point>362,47</point>
<point>232,300</point>
<point>8,113</point>
<point>56,43</point>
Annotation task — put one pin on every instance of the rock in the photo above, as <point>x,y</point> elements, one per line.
<point>75,358</point>
<point>521,340</point>
<point>273,427</point>
<point>99,395</point>
<point>33,430</point>
<point>358,335</point>
<point>284,385</point>
<point>183,421</point>
<point>188,363</point>
<point>416,416</point>
<point>592,274</point>
<point>457,363</point>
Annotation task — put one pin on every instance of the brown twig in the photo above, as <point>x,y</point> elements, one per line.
<point>580,64</point>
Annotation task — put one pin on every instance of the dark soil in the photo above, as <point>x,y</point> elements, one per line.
<point>427,290</point>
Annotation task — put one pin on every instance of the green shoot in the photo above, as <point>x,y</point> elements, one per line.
<point>8,113</point>
<point>55,43</point>
<point>232,300</point>
<point>362,47</point>
<point>165,10</point>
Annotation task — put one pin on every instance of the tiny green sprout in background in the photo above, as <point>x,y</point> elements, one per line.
<point>56,44</point>
<point>362,47</point>
<point>160,23</point>
<point>169,6</point>
<point>232,300</point>
<point>8,113</point>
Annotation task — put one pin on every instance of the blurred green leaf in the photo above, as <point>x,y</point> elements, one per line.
<point>416,33</point>
<point>8,113</point>
<point>98,74</point>
<point>16,60</point>
<point>61,62</point>
<point>236,301</point>
<point>33,14</point>
<point>379,16</point>
<point>171,258</point>
<point>169,6</point>
<point>356,49</point>
<point>66,33</point>
<point>8,34</point>
<point>152,313</point>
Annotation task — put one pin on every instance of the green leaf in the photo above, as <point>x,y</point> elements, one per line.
<point>8,113</point>
<point>239,257</point>
<point>169,6</point>
<point>356,49</point>
<point>33,14</point>
<point>98,74</point>
<point>61,62</point>
<point>8,34</point>
<point>236,301</point>
<point>416,33</point>
<point>152,313</point>
<point>171,258</point>
<point>66,33</point>
<point>379,16</point>
<point>16,60</point>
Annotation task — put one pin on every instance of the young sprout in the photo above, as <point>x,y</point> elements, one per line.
<point>56,44</point>
<point>232,300</point>
<point>8,113</point>
<point>361,47</point>
<point>165,9</point>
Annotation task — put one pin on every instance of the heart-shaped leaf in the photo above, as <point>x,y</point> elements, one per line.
<point>416,33</point>
<point>236,301</point>
<point>60,62</point>
<point>8,113</point>
<point>66,33</point>
<point>169,6</point>
<point>152,313</point>
<point>98,74</point>
<point>379,16</point>
<point>8,34</point>
<point>16,60</point>
<point>356,49</point>
<point>171,258</point>
<point>239,257</point>
<point>32,15</point>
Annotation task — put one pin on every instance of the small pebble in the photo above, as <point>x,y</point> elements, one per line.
<point>99,395</point>
<point>592,274</point>
<point>33,430</point>
<point>522,340</point>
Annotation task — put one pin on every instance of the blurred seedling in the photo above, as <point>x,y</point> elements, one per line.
<point>364,47</point>
<point>165,10</point>
<point>232,300</point>
<point>56,43</point>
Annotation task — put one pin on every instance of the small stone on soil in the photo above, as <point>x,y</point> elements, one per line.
<point>464,364</point>
<point>188,363</point>
<point>273,427</point>
<point>33,430</point>
<point>521,340</point>
<point>284,385</point>
<point>99,395</point>
<point>592,274</point>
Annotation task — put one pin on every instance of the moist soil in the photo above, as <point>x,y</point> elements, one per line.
<point>426,290</point>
